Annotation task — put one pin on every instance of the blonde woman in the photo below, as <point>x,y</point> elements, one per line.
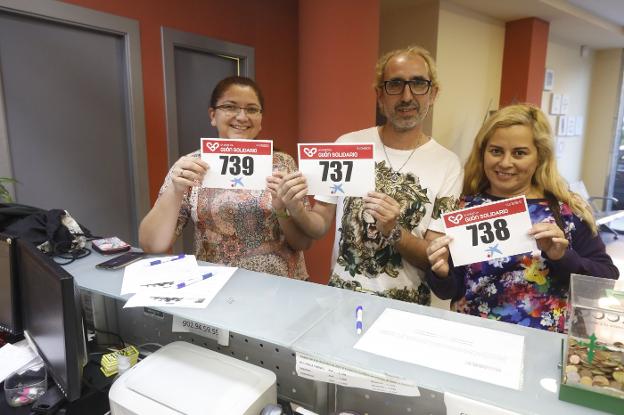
<point>512,156</point>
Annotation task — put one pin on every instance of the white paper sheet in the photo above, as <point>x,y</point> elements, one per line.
<point>13,357</point>
<point>196,295</point>
<point>313,368</point>
<point>460,405</point>
<point>475,352</point>
<point>140,276</point>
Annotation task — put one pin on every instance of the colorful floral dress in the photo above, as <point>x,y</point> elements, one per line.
<point>238,227</point>
<point>527,289</point>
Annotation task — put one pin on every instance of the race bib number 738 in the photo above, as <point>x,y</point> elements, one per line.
<point>490,231</point>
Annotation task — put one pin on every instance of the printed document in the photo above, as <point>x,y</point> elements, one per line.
<point>474,352</point>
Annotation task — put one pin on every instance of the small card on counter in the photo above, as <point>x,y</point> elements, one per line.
<point>334,169</point>
<point>489,231</point>
<point>237,164</point>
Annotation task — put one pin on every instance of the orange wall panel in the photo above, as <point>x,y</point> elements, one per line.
<point>338,48</point>
<point>270,26</point>
<point>524,61</point>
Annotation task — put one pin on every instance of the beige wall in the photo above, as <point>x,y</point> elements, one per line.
<point>469,51</point>
<point>470,57</point>
<point>573,79</point>
<point>601,119</point>
<point>402,25</point>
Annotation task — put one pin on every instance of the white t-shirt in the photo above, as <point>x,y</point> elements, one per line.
<point>428,183</point>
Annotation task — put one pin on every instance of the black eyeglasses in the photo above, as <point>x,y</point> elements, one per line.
<point>234,110</point>
<point>397,86</point>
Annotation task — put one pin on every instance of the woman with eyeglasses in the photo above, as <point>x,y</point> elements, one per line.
<point>234,227</point>
<point>513,155</point>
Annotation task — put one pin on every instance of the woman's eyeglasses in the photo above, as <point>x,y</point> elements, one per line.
<point>234,110</point>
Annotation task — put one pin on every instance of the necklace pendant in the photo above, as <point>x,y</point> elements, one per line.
<point>394,176</point>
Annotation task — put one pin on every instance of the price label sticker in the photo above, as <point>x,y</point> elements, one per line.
<point>334,169</point>
<point>490,231</point>
<point>182,325</point>
<point>237,164</point>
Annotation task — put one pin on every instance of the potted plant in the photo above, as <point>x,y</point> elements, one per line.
<point>5,196</point>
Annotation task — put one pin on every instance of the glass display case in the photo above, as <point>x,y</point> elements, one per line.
<point>593,366</point>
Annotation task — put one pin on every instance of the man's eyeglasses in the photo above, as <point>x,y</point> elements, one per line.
<point>231,109</point>
<point>417,86</point>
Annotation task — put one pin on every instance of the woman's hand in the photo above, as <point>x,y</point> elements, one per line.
<point>292,191</point>
<point>384,209</point>
<point>273,183</point>
<point>438,256</point>
<point>186,172</point>
<point>550,239</point>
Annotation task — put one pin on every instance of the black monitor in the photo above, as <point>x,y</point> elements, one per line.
<point>52,319</point>
<point>10,317</point>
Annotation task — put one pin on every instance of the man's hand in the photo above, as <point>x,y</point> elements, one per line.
<point>384,209</point>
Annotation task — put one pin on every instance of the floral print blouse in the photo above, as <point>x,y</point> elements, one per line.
<point>239,228</point>
<point>527,289</point>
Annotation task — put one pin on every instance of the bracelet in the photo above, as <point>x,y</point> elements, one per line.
<point>395,235</point>
<point>281,213</point>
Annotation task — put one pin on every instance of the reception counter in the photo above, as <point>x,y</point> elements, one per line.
<point>272,319</point>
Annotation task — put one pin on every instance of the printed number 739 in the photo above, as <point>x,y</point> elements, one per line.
<point>235,167</point>
<point>500,232</point>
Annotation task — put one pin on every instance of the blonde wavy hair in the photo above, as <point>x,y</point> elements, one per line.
<point>546,177</point>
<point>410,50</point>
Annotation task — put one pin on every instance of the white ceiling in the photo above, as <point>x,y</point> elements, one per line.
<point>612,10</point>
<point>596,23</point>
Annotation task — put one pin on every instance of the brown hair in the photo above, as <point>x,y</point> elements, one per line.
<point>226,83</point>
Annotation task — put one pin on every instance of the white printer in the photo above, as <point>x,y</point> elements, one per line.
<point>181,378</point>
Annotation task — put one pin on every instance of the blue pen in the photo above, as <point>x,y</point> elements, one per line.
<point>359,315</point>
<point>193,281</point>
<point>162,261</point>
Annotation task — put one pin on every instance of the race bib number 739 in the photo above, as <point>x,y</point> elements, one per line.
<point>237,164</point>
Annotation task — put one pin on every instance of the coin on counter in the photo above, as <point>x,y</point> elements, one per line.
<point>585,373</point>
<point>575,360</point>
<point>600,381</point>
<point>586,380</point>
<point>571,368</point>
<point>573,377</point>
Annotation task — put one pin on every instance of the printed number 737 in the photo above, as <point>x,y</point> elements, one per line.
<point>337,173</point>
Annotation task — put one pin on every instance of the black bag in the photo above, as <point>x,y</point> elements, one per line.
<point>53,231</point>
<point>13,212</point>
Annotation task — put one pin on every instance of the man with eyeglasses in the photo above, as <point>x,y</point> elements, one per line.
<point>381,241</point>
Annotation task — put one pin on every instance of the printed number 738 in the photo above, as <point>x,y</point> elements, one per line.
<point>500,232</point>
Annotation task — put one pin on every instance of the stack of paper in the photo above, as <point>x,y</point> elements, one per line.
<point>173,281</point>
<point>13,357</point>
